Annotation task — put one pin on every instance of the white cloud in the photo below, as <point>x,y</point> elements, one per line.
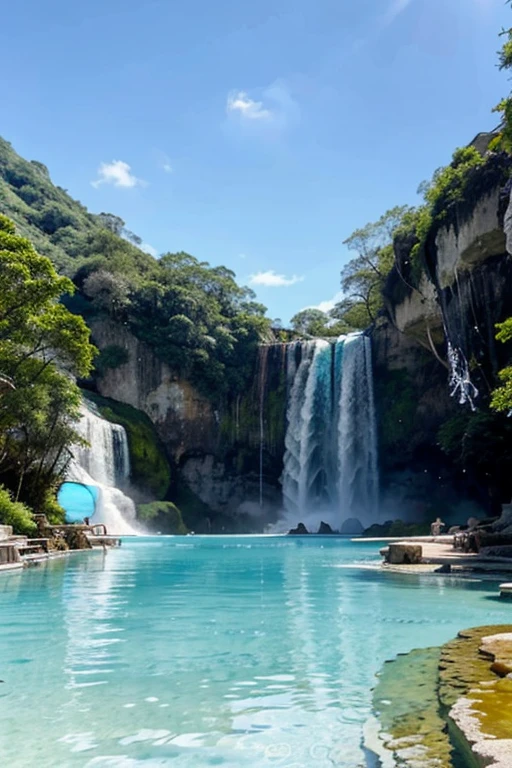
<point>270,279</point>
<point>328,304</point>
<point>395,9</point>
<point>167,167</point>
<point>248,109</point>
<point>242,255</point>
<point>118,173</point>
<point>269,112</point>
<point>147,248</point>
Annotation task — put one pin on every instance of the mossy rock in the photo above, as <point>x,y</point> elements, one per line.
<point>150,468</point>
<point>162,516</point>
<point>406,704</point>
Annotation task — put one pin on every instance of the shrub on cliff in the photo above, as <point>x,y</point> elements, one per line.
<point>502,396</point>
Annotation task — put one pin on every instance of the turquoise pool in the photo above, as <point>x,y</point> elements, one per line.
<point>221,651</point>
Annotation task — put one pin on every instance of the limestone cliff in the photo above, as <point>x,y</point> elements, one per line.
<point>214,447</point>
<point>455,293</point>
<point>441,304</point>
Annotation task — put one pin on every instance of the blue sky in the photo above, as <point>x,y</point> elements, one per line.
<point>257,135</point>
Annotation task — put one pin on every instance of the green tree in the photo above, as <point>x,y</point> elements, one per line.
<point>362,279</point>
<point>502,396</point>
<point>504,108</point>
<point>310,322</point>
<point>42,346</point>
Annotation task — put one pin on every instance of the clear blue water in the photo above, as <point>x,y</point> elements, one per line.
<point>239,651</point>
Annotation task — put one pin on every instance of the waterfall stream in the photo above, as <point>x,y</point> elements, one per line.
<point>105,464</point>
<point>330,463</point>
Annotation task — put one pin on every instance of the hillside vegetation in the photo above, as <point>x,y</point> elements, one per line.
<point>196,317</point>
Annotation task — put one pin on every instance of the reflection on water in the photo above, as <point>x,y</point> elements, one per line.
<point>241,651</point>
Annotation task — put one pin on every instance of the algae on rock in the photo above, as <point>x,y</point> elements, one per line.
<point>150,468</point>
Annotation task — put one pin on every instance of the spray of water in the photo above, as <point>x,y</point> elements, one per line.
<point>105,463</point>
<point>331,463</point>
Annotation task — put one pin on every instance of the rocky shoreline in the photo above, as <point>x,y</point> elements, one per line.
<point>437,707</point>
<point>54,541</point>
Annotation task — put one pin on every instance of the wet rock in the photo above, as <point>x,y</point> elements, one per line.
<point>325,528</point>
<point>404,554</point>
<point>504,522</point>
<point>472,685</point>
<point>497,551</point>
<point>352,526</point>
<point>300,530</point>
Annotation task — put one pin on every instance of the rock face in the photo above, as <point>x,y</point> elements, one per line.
<point>404,554</point>
<point>300,530</point>
<point>474,684</point>
<point>215,449</point>
<point>462,289</point>
<point>185,420</point>
<point>466,243</point>
<point>325,529</point>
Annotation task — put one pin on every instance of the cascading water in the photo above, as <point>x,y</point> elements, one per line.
<point>330,463</point>
<point>357,431</point>
<point>105,464</point>
<point>107,458</point>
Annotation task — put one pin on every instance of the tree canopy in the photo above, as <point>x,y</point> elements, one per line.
<point>194,316</point>
<point>42,347</point>
<point>363,277</point>
<point>502,396</point>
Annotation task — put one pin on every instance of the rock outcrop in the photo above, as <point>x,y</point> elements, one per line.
<point>186,421</point>
<point>448,706</point>
<point>456,293</point>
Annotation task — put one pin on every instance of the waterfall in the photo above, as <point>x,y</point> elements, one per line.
<point>105,463</point>
<point>262,388</point>
<point>107,458</point>
<point>330,462</point>
<point>357,431</point>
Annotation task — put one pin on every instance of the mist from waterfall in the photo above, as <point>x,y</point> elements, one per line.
<point>105,463</point>
<point>331,462</point>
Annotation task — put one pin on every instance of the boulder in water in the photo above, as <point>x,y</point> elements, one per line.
<point>300,530</point>
<point>404,554</point>
<point>352,526</point>
<point>325,528</point>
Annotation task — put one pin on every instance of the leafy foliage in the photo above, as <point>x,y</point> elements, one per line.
<point>195,317</point>
<point>111,357</point>
<point>40,342</point>
<point>362,279</point>
<point>504,108</point>
<point>502,396</point>
<point>16,514</point>
<point>314,322</point>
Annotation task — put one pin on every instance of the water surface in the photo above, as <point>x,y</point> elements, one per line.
<point>220,651</point>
